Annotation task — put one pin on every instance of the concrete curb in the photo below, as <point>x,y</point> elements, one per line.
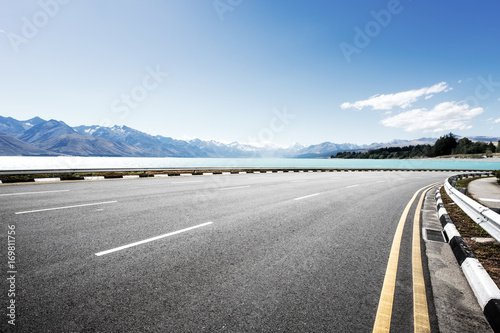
<point>48,179</point>
<point>93,178</point>
<point>485,290</point>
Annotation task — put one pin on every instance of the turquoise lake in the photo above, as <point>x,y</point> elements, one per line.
<point>68,162</point>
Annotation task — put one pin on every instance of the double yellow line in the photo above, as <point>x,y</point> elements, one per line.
<point>420,312</point>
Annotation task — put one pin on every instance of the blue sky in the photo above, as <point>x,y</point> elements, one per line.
<point>282,71</point>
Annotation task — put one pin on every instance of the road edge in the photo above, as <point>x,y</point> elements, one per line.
<point>483,287</point>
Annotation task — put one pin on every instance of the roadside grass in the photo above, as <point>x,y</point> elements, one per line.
<point>464,182</point>
<point>487,253</point>
<point>481,155</point>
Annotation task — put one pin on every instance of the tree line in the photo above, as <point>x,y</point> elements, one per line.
<point>445,145</point>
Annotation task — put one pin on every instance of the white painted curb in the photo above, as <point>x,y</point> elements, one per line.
<point>483,286</point>
<point>161,176</point>
<point>451,231</point>
<point>480,281</point>
<point>242,172</point>
<point>93,178</point>
<point>226,173</point>
<point>130,176</point>
<point>48,179</point>
<point>185,174</point>
<point>208,174</point>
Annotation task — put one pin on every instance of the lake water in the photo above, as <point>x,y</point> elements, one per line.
<point>68,162</point>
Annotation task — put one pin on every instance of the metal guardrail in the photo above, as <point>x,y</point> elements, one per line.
<point>483,216</point>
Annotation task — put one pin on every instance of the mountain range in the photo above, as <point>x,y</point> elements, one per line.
<point>39,137</point>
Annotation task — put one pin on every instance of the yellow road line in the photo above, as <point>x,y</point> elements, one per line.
<point>420,312</point>
<point>384,311</point>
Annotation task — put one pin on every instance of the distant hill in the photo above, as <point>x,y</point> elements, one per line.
<point>15,127</point>
<point>84,145</point>
<point>37,136</point>
<point>492,139</point>
<point>45,131</point>
<point>10,146</point>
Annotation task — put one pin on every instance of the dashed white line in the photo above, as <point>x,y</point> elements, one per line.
<point>352,186</point>
<point>66,207</point>
<point>307,196</point>
<point>27,193</point>
<point>151,239</point>
<point>190,182</point>
<point>486,199</point>
<point>233,188</point>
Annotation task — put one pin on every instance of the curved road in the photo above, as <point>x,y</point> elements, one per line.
<point>302,252</point>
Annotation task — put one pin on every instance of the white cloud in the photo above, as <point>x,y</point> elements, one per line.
<point>402,99</point>
<point>443,117</point>
<point>496,121</point>
<point>459,81</point>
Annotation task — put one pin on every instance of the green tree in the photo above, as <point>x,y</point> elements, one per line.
<point>492,147</point>
<point>462,145</point>
<point>445,145</point>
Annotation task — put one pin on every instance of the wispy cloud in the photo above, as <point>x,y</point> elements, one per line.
<point>496,121</point>
<point>443,117</point>
<point>402,99</point>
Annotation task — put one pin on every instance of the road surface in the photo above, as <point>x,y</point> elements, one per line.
<point>298,252</point>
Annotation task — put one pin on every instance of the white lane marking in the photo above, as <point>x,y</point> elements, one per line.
<point>352,186</point>
<point>381,181</point>
<point>298,181</point>
<point>307,196</point>
<point>486,199</point>
<point>190,182</point>
<point>233,188</point>
<point>39,192</point>
<point>151,239</point>
<point>66,207</point>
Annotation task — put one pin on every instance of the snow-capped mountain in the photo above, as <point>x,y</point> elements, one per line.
<point>56,137</point>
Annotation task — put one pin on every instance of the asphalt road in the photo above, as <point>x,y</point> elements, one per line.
<point>302,252</point>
